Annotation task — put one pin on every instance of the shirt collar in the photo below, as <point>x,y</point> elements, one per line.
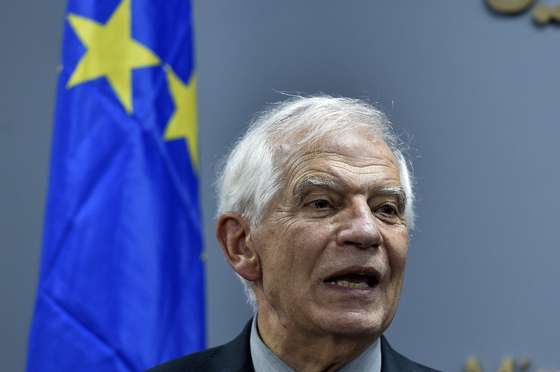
<point>264,360</point>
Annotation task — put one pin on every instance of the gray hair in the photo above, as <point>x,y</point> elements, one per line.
<point>252,173</point>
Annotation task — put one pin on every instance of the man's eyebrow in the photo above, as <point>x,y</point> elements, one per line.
<point>314,182</point>
<point>396,191</point>
<point>318,182</point>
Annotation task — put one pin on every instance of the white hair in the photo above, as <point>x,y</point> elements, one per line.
<point>252,173</point>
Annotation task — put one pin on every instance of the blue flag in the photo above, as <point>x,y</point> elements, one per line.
<point>122,276</point>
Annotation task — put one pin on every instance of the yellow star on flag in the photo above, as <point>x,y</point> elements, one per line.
<point>111,52</point>
<point>183,121</point>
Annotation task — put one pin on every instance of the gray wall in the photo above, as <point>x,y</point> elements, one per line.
<point>30,41</point>
<point>476,93</point>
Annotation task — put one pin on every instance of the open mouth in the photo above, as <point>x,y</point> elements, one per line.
<point>361,279</point>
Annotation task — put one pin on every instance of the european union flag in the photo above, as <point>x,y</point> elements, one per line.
<point>122,276</point>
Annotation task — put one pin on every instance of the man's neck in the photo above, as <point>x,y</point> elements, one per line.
<point>305,352</point>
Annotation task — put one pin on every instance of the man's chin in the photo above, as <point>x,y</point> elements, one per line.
<point>355,323</point>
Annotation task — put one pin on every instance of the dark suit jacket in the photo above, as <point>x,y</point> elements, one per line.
<point>235,356</point>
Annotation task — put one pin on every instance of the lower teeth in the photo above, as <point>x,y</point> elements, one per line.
<point>352,285</point>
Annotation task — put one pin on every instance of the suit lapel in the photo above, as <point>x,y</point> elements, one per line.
<point>391,361</point>
<point>237,353</point>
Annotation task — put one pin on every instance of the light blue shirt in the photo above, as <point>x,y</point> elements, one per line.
<point>264,360</point>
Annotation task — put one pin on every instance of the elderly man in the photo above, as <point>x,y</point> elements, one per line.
<point>314,212</point>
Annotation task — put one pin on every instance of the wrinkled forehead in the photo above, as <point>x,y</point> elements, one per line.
<point>362,145</point>
<point>345,157</point>
<point>357,143</point>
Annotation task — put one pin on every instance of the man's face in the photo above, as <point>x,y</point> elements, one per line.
<point>333,245</point>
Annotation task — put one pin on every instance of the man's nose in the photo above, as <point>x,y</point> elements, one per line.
<point>359,227</point>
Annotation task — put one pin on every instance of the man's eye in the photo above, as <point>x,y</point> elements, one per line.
<point>388,210</point>
<point>320,204</point>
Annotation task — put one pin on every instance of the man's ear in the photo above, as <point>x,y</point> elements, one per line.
<point>232,231</point>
